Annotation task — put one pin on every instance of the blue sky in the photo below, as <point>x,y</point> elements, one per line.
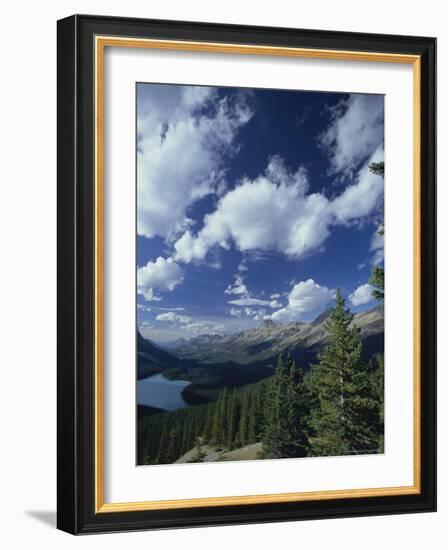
<point>253,205</point>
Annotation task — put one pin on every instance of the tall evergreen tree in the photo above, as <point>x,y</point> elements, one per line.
<point>244,416</point>
<point>285,413</point>
<point>378,388</point>
<point>252,416</point>
<point>161,452</point>
<point>377,168</point>
<point>172,449</point>
<point>297,412</point>
<point>377,274</point>
<point>344,400</point>
<point>257,420</point>
<point>219,429</point>
<point>377,281</point>
<point>233,413</point>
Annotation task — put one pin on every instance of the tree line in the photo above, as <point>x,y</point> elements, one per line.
<point>234,420</point>
<point>334,409</point>
<point>377,275</point>
<point>337,409</point>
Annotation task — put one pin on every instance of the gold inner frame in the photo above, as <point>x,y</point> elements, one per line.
<point>101,42</point>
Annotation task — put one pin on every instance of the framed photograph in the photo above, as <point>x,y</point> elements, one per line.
<point>246,274</point>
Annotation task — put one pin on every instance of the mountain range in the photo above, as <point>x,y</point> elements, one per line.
<point>214,361</point>
<point>301,339</point>
<point>151,359</point>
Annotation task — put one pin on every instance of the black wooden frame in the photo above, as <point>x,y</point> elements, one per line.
<point>75,474</point>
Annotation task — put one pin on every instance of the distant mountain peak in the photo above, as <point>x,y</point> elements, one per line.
<point>322,317</point>
<point>261,345</point>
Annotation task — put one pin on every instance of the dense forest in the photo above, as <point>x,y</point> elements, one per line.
<point>335,408</point>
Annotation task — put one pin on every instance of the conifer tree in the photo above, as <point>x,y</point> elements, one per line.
<point>284,433</point>
<point>377,168</point>
<point>258,414</point>
<point>172,449</point>
<point>232,420</point>
<point>251,420</point>
<point>219,430</point>
<point>297,412</point>
<point>378,388</point>
<point>377,275</point>
<point>344,403</point>
<point>160,456</point>
<point>208,427</point>
<point>377,281</point>
<point>243,424</point>
<point>187,435</point>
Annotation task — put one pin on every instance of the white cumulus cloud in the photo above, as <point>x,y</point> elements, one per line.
<point>275,212</point>
<point>306,300</point>
<point>238,287</point>
<point>255,302</point>
<point>236,312</point>
<point>143,308</point>
<point>204,327</point>
<point>245,300</point>
<point>184,133</point>
<point>173,317</point>
<point>188,325</point>
<point>257,314</point>
<point>159,276</point>
<point>362,295</point>
<point>356,131</point>
<point>361,198</point>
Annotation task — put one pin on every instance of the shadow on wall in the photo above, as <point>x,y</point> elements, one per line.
<point>48,517</point>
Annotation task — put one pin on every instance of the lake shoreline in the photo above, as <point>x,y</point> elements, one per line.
<point>160,392</point>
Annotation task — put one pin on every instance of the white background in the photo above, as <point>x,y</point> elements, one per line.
<point>28,275</point>
<point>123,481</point>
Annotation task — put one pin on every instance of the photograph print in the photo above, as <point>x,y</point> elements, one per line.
<point>260,274</point>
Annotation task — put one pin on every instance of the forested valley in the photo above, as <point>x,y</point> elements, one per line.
<point>334,408</point>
